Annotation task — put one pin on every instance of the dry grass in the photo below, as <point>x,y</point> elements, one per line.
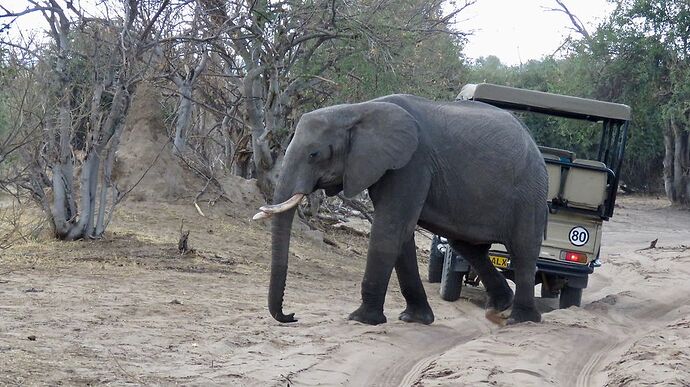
<point>19,222</point>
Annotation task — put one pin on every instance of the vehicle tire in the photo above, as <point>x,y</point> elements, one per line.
<point>435,262</point>
<point>547,293</point>
<point>547,286</point>
<point>451,281</point>
<point>570,297</point>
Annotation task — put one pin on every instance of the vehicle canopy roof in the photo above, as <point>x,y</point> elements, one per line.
<point>547,103</point>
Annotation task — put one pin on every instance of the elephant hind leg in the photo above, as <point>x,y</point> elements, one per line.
<point>524,248</point>
<point>524,255</point>
<point>418,309</point>
<point>500,294</point>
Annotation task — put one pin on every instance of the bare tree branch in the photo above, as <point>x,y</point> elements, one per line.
<point>578,26</point>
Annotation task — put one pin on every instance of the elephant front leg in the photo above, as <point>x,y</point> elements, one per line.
<point>374,285</point>
<point>398,200</point>
<point>418,309</point>
<point>380,263</point>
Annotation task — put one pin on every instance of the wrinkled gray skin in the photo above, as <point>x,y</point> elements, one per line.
<point>464,170</point>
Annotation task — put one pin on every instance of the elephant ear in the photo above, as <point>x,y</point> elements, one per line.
<point>385,137</point>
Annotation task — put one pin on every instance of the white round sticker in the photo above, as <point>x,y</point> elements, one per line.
<point>579,236</point>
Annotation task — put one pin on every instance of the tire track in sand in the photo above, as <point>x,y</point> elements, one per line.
<point>587,373</point>
<point>405,369</point>
<point>649,318</point>
<point>398,353</point>
<point>406,365</point>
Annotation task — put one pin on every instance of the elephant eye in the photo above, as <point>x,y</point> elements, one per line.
<point>313,155</point>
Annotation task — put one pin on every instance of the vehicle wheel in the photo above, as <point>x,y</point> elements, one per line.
<point>570,297</point>
<point>451,281</point>
<point>547,288</point>
<point>435,262</point>
<point>548,293</point>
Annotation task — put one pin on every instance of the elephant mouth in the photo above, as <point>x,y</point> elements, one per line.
<point>330,185</point>
<point>333,189</point>
<point>270,210</point>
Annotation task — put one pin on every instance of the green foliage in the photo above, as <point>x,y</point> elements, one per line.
<point>390,57</point>
<point>648,66</point>
<point>546,75</point>
<point>618,65</point>
<point>430,68</point>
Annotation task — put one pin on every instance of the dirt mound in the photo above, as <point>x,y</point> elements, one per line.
<point>244,195</point>
<point>145,163</point>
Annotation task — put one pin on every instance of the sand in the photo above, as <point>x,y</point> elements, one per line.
<point>131,311</point>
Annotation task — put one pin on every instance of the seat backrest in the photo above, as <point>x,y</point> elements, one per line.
<point>584,187</point>
<point>554,172</point>
<point>562,154</point>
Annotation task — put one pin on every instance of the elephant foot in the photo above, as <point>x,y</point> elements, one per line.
<point>418,314</point>
<point>367,315</point>
<point>522,314</point>
<point>498,306</point>
<point>497,317</point>
<point>500,301</point>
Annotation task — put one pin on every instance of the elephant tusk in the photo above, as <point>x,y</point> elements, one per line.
<point>284,206</point>
<point>261,215</point>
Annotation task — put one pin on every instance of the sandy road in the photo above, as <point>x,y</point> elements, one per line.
<point>396,353</point>
<point>637,293</point>
<point>131,311</point>
<point>639,296</point>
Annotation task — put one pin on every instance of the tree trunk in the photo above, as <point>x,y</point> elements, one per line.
<point>89,186</point>
<point>185,87</point>
<point>668,163</point>
<point>184,117</point>
<point>677,164</point>
<point>102,223</point>
<point>59,208</point>
<point>64,208</point>
<point>686,166</point>
<point>263,159</point>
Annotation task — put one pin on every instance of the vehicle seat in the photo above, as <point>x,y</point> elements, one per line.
<point>561,154</point>
<point>585,188</point>
<point>554,172</point>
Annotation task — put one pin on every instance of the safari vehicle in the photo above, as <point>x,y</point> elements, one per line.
<point>581,195</point>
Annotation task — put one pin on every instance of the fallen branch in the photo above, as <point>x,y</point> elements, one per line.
<point>183,243</point>
<point>652,245</point>
<point>357,206</point>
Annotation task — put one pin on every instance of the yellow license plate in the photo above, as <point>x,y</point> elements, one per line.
<point>500,262</point>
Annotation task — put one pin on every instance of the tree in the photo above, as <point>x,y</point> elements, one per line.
<point>548,75</point>
<point>281,52</point>
<point>658,35</point>
<point>83,80</point>
<point>619,61</point>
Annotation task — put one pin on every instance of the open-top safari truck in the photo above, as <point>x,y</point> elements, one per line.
<point>581,195</point>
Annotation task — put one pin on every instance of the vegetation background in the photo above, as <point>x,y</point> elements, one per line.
<point>229,81</point>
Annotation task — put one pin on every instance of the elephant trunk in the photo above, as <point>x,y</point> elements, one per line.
<point>280,230</point>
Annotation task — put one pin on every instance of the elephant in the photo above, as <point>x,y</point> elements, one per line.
<point>465,170</point>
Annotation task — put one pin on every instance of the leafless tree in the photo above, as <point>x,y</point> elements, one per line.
<point>276,52</point>
<point>237,75</point>
<point>88,72</point>
<point>575,21</point>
